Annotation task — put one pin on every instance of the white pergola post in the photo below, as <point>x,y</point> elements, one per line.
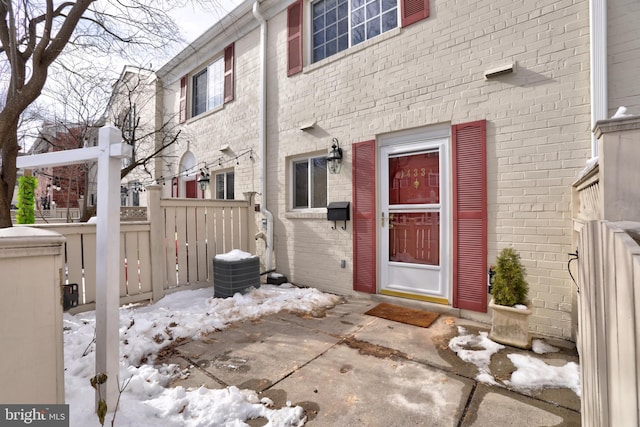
<point>108,261</point>
<point>108,153</point>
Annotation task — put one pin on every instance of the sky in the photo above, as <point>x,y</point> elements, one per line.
<point>194,313</point>
<point>195,19</point>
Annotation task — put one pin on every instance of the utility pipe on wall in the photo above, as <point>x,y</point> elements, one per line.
<point>598,65</point>
<point>262,127</point>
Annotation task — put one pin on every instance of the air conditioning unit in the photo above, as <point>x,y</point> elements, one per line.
<point>230,277</point>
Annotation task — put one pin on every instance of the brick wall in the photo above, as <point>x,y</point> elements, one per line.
<point>234,124</point>
<point>430,73</point>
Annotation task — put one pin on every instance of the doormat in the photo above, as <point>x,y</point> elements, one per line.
<point>406,315</point>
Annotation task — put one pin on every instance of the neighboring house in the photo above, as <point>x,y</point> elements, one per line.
<point>462,126</point>
<point>132,109</point>
<point>60,186</point>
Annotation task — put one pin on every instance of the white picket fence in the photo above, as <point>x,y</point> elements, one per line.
<point>172,249</point>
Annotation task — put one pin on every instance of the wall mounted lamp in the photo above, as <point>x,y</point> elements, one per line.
<point>334,159</point>
<point>203,179</point>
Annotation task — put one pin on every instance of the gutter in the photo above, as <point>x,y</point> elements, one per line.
<point>598,65</point>
<point>262,125</point>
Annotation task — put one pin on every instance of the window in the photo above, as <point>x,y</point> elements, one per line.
<point>130,122</point>
<point>208,87</point>
<point>129,125</point>
<point>309,183</point>
<point>124,193</point>
<point>135,188</point>
<point>224,186</point>
<point>211,87</point>
<point>338,24</point>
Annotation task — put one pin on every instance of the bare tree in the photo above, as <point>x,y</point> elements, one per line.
<point>85,103</point>
<point>33,34</point>
<point>134,110</point>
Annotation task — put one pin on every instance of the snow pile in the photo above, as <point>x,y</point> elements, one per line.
<point>530,374</point>
<point>145,330</point>
<point>621,112</point>
<point>541,347</point>
<point>534,374</point>
<point>234,255</point>
<point>591,163</point>
<point>480,358</point>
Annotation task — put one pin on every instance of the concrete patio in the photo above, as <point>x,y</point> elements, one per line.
<point>350,369</point>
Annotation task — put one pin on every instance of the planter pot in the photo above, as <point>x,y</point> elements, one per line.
<point>510,326</point>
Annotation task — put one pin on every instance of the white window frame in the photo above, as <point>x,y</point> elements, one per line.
<point>214,80</point>
<point>225,174</point>
<point>310,20</point>
<point>292,186</point>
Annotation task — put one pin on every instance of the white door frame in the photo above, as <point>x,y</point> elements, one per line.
<point>407,143</point>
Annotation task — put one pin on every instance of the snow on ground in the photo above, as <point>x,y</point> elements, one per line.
<point>541,347</point>
<point>480,358</point>
<point>144,330</point>
<point>534,374</point>
<point>530,374</point>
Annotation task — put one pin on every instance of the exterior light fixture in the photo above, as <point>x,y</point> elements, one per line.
<point>334,159</point>
<point>203,179</point>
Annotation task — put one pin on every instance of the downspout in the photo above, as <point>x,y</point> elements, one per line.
<point>262,127</point>
<point>598,65</point>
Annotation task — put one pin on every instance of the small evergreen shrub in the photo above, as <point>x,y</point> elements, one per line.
<point>26,200</point>
<point>510,287</point>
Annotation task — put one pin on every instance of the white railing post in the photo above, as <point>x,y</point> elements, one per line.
<point>108,261</point>
<point>109,152</point>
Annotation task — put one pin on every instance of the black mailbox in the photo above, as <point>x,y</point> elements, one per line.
<point>338,211</point>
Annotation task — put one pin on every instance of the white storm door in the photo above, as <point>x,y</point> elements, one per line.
<point>414,220</point>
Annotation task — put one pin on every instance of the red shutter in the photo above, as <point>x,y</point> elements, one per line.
<point>294,38</point>
<point>469,216</point>
<point>183,99</point>
<point>228,73</point>
<point>364,216</point>
<point>414,11</point>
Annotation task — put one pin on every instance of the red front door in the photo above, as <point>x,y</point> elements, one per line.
<point>191,188</point>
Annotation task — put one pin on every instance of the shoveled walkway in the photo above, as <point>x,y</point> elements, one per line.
<point>350,369</point>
